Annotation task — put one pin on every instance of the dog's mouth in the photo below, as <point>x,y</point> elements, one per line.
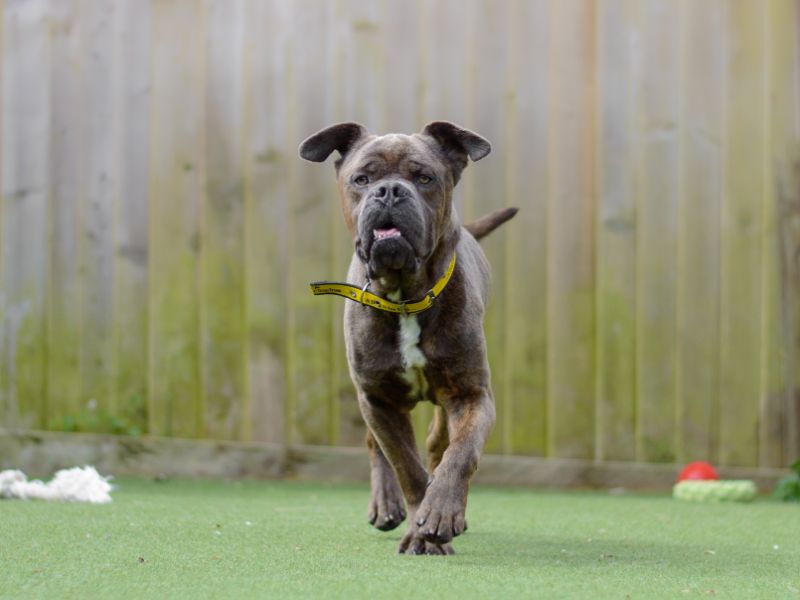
<point>388,253</point>
<point>386,233</point>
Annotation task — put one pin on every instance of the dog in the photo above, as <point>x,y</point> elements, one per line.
<point>415,331</point>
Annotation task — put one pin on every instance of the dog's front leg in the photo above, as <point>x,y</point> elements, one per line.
<point>386,505</point>
<point>441,515</point>
<point>391,428</point>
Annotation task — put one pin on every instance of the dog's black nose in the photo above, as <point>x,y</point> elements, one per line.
<point>390,192</point>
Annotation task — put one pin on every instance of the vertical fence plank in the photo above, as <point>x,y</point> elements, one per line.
<point>616,235</point>
<point>6,416</point>
<point>346,427</point>
<point>782,157</point>
<point>25,167</point>
<point>740,314</point>
<point>777,38</point>
<point>364,81</point>
<point>490,92</point>
<point>697,360</point>
<point>444,94</point>
<point>658,145</point>
<point>789,201</point>
<point>222,337</point>
<point>364,86</point>
<point>524,298</point>
<point>446,56</point>
<point>176,192</point>
<point>96,227</point>
<point>269,153</point>
<point>67,188</point>
<point>570,232</point>
<point>401,79</point>
<point>131,218</point>
<point>8,406</point>
<point>313,204</point>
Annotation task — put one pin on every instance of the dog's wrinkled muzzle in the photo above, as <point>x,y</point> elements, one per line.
<point>391,232</point>
<point>391,256</point>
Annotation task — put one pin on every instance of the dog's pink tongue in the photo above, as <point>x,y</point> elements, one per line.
<point>386,233</point>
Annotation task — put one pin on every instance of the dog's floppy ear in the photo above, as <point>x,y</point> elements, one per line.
<point>341,137</point>
<point>458,144</point>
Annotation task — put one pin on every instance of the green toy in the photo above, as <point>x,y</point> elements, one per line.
<point>733,490</point>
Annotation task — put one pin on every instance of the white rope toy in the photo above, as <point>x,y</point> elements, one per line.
<point>79,484</point>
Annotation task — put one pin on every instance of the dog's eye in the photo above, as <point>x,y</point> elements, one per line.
<point>361,180</point>
<point>424,179</point>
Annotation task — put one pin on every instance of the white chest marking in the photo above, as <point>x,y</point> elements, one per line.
<point>409,342</point>
<point>411,354</point>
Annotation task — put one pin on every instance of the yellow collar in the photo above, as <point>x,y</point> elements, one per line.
<point>366,298</point>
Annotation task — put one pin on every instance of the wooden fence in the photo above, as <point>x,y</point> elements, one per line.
<point>158,230</point>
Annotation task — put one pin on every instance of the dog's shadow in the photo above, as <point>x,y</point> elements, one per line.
<point>532,550</point>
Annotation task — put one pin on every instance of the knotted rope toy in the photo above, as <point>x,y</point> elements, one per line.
<point>79,484</point>
<point>699,482</point>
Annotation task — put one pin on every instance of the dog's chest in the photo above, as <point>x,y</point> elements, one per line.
<point>412,358</point>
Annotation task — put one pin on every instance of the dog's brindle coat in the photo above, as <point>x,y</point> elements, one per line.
<point>401,186</point>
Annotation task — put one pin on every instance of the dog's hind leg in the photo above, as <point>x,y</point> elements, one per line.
<point>437,439</point>
<point>386,506</point>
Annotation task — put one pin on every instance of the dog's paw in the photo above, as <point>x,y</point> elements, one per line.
<point>413,543</point>
<point>440,517</point>
<point>386,506</point>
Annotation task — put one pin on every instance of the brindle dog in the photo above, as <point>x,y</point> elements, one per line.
<point>396,192</point>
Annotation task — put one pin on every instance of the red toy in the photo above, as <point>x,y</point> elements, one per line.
<point>698,470</point>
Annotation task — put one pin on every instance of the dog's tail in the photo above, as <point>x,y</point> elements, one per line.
<point>480,228</point>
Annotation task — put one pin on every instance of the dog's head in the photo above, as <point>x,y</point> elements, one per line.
<point>396,190</point>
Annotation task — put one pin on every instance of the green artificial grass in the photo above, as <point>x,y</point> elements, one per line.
<point>197,539</point>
